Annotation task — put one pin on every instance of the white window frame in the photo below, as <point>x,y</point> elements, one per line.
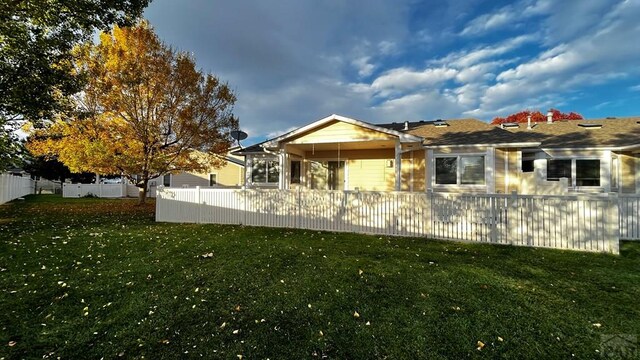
<point>459,171</point>
<point>574,168</point>
<point>266,160</point>
<point>170,179</point>
<point>216,177</point>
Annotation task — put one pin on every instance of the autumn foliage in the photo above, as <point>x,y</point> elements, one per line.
<point>146,111</point>
<point>536,116</point>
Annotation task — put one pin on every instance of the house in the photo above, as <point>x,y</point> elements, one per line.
<point>456,155</point>
<point>229,175</point>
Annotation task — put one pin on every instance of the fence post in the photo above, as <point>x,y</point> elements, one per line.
<point>612,232</point>
<point>428,214</point>
<point>513,216</point>
<point>198,220</point>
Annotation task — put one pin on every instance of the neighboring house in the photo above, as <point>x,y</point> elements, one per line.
<point>229,175</point>
<point>460,155</point>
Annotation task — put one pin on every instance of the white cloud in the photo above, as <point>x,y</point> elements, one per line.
<point>488,22</point>
<point>364,67</point>
<point>635,88</point>
<point>596,57</point>
<point>407,79</point>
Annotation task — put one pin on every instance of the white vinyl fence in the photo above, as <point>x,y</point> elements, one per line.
<point>13,187</point>
<point>103,190</point>
<point>587,223</point>
<point>99,190</point>
<point>630,217</point>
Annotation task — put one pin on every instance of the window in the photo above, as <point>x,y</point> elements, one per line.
<point>460,170</point>
<point>295,172</point>
<point>587,172</point>
<point>446,170</point>
<point>265,171</point>
<point>527,165</point>
<point>166,180</point>
<point>557,169</point>
<point>472,170</point>
<point>213,179</point>
<point>615,170</point>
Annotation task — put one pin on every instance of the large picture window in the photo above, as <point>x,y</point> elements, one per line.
<point>460,170</point>
<point>265,171</point>
<point>587,171</point>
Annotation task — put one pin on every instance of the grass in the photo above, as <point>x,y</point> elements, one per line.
<point>93,278</point>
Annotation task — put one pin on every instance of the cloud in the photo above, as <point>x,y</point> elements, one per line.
<point>294,62</point>
<point>594,58</point>
<point>487,22</point>
<point>404,79</point>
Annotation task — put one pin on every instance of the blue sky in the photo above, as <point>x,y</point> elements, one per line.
<point>292,62</point>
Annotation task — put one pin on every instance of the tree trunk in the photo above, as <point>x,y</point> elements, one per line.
<point>142,192</point>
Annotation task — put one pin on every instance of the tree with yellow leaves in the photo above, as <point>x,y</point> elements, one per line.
<point>146,111</point>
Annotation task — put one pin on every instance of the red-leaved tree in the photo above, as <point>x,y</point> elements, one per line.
<point>536,116</point>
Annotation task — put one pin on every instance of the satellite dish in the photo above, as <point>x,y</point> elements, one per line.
<point>238,135</point>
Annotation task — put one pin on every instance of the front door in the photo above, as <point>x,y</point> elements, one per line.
<point>336,175</point>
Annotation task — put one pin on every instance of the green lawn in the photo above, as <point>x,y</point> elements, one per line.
<point>92,278</point>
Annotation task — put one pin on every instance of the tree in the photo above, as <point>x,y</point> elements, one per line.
<point>146,111</point>
<point>36,61</point>
<point>536,116</point>
<point>54,170</point>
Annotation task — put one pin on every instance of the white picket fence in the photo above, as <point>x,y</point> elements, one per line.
<point>99,190</point>
<point>588,223</point>
<point>13,187</point>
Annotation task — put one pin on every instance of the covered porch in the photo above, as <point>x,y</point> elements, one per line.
<point>338,153</point>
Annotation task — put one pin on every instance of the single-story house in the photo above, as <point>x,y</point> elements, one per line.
<point>230,175</point>
<point>455,155</point>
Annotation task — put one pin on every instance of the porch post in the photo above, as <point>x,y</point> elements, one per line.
<point>429,170</point>
<point>283,170</point>
<point>398,165</point>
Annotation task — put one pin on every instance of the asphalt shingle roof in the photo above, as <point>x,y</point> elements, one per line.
<point>566,134</point>
<point>458,132</point>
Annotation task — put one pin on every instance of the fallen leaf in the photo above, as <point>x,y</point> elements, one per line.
<point>12,343</point>
<point>480,345</point>
<point>356,315</point>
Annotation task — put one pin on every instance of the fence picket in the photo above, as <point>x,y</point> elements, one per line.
<point>564,222</point>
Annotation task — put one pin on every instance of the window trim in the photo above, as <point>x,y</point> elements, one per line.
<point>215,181</point>
<point>574,175</point>
<point>459,170</point>
<point>266,160</point>
<point>170,180</point>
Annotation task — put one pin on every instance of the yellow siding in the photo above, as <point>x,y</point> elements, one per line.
<point>228,175</point>
<point>339,131</point>
<point>627,172</point>
<point>514,171</point>
<point>418,171</point>
<point>500,175</point>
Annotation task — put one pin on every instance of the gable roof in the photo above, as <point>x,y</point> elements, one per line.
<point>402,136</point>
<point>614,133</point>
